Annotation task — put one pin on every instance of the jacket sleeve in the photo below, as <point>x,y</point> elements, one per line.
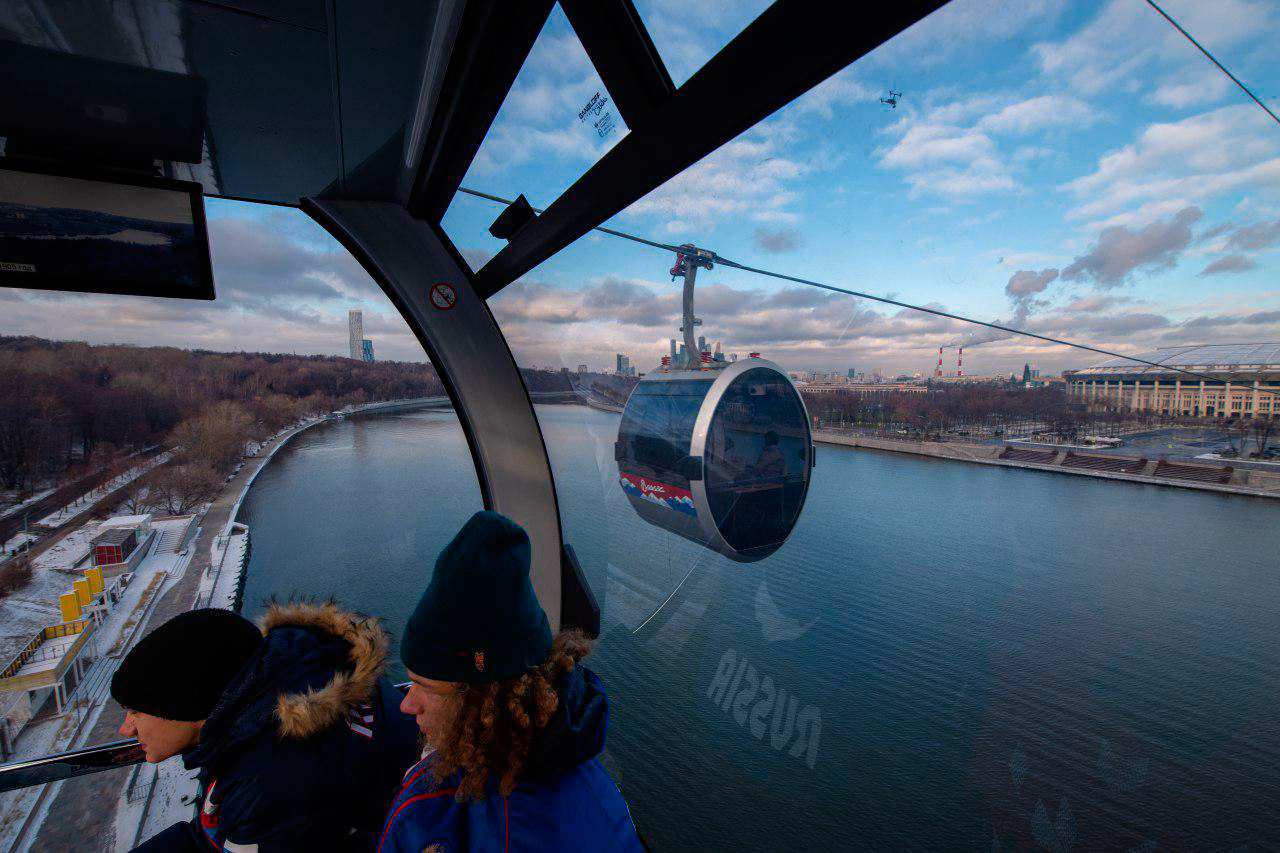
<point>179,838</point>
<point>282,812</point>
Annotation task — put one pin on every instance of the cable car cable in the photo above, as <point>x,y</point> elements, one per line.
<point>1221,67</point>
<point>886,300</point>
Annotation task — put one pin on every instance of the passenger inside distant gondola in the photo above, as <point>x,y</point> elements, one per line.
<point>771,462</point>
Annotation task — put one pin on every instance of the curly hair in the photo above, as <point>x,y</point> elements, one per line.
<point>492,726</point>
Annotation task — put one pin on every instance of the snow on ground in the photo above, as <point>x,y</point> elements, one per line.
<point>36,605</point>
<point>162,795</point>
<point>17,542</point>
<point>26,611</point>
<point>155,800</point>
<point>227,558</point>
<point>84,502</point>
<point>121,628</point>
<point>1216,458</point>
<point>18,507</point>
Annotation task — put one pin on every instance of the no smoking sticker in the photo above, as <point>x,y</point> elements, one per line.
<point>443,296</point>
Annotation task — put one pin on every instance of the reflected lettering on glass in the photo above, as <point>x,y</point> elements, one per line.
<point>759,704</point>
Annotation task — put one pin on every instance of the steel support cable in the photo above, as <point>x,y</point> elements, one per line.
<point>1221,67</point>
<point>884,299</point>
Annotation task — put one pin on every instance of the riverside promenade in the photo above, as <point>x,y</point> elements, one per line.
<point>1242,482</point>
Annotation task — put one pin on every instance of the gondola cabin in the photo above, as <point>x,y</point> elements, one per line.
<point>720,456</point>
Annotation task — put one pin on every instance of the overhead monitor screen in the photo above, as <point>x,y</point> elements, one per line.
<point>85,234</point>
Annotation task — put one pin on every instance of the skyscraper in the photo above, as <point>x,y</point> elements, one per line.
<point>366,349</point>
<point>355,334</point>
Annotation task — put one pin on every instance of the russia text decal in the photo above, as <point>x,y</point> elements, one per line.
<point>660,493</point>
<point>762,706</point>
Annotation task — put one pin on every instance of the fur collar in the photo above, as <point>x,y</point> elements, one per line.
<point>301,715</point>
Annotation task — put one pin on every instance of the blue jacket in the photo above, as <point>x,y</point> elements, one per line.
<point>306,746</point>
<point>565,799</point>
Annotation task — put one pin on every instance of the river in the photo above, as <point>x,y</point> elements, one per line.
<point>943,656</point>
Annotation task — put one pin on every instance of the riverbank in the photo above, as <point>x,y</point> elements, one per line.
<point>1243,482</point>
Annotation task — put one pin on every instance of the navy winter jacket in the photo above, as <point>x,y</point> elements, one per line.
<point>564,801</point>
<point>306,746</point>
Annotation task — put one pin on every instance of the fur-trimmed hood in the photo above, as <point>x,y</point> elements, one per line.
<point>307,742</point>
<point>316,667</point>
<point>305,713</point>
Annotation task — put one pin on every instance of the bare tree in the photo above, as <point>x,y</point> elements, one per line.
<point>178,489</point>
<point>1263,430</point>
<point>137,500</point>
<point>1238,436</point>
<point>216,436</point>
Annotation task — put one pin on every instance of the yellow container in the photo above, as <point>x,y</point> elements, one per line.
<point>94,576</point>
<point>69,602</point>
<point>82,592</point>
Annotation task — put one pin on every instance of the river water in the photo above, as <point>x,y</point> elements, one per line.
<point>944,656</point>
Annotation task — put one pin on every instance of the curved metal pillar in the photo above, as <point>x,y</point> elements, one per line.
<point>408,260</point>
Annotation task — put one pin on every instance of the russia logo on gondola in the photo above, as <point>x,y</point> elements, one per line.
<point>663,494</point>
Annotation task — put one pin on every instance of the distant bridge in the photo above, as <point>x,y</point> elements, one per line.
<point>443,402</point>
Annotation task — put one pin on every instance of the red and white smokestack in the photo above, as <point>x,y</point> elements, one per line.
<point>938,372</point>
<point>960,362</point>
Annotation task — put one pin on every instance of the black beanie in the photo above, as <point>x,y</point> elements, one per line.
<point>179,670</point>
<point>479,620</point>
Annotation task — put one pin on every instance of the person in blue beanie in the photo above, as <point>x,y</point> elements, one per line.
<point>513,724</point>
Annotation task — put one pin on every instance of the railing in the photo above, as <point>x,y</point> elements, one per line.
<point>66,765</point>
<point>32,650</point>
<point>79,762</point>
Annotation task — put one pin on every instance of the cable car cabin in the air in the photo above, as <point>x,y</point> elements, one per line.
<point>719,456</point>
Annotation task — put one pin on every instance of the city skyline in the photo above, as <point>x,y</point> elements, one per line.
<point>1038,171</point>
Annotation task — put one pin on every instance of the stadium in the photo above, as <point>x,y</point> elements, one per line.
<point>1239,377</point>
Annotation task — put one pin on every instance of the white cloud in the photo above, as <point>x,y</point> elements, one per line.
<point>748,179</point>
<point>959,27</point>
<point>1038,113</point>
<point>1193,160</point>
<point>929,144</point>
<point>1197,90</point>
<point>839,90</point>
<point>1113,51</point>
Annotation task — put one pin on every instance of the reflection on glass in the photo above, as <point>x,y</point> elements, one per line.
<point>757,456</point>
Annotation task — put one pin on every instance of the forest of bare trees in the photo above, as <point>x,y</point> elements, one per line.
<point>991,409</point>
<point>68,407</point>
<point>990,406</point>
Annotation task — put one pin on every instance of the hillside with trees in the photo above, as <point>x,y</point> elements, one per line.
<point>68,407</point>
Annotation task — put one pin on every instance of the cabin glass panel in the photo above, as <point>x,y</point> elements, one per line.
<point>756,458</point>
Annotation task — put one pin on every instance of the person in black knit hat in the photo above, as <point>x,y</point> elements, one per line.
<point>512,723</point>
<point>293,727</point>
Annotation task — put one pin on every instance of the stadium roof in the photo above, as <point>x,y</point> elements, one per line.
<point>1261,356</point>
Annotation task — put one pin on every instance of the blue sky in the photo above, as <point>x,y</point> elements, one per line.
<point>1088,139</point>
<point>1075,168</point>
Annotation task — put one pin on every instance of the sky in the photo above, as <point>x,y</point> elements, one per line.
<point>1076,169</point>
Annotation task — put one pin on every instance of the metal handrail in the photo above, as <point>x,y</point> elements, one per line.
<point>67,765</point>
<point>80,762</point>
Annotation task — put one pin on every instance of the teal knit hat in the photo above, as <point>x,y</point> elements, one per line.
<point>479,620</point>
